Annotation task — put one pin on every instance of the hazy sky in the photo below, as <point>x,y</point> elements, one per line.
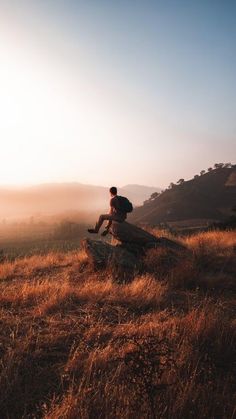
<point>116,91</point>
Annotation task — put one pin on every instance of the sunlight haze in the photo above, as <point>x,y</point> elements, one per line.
<point>115,92</point>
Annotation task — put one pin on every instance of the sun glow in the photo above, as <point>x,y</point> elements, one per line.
<point>55,123</point>
<point>58,126</point>
<point>45,118</point>
<point>29,108</point>
<point>100,100</point>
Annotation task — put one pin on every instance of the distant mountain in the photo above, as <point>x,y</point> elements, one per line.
<point>138,193</point>
<point>57,198</point>
<point>210,196</point>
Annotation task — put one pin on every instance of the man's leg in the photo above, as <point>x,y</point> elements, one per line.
<point>101,219</point>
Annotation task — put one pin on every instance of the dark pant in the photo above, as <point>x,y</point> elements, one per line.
<point>108,217</point>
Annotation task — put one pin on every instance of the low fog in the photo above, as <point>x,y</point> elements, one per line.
<point>48,200</point>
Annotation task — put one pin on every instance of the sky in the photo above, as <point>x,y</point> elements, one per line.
<point>116,92</point>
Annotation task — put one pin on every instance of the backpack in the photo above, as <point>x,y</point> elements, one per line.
<point>124,204</point>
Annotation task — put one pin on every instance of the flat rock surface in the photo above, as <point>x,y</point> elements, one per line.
<point>130,233</point>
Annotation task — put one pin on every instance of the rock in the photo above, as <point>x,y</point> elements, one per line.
<point>130,233</point>
<point>98,252</point>
<point>131,236</point>
<point>122,263</point>
<point>124,260</point>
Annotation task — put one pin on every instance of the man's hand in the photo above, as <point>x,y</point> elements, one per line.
<point>105,232</point>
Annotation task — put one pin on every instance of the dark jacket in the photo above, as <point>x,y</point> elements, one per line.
<point>115,208</point>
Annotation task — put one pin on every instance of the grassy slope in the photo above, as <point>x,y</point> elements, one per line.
<point>206,197</point>
<point>73,344</point>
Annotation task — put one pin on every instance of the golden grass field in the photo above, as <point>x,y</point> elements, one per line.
<point>75,344</point>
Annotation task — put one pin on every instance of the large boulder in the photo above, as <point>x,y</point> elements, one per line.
<point>129,235</point>
<point>125,258</point>
<point>123,264</point>
<point>98,252</point>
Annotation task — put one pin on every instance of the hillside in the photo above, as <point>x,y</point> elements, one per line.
<point>75,344</point>
<point>55,199</point>
<point>210,196</point>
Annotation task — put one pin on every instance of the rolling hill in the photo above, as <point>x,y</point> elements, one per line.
<point>210,197</point>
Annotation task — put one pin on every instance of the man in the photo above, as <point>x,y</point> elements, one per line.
<point>117,213</point>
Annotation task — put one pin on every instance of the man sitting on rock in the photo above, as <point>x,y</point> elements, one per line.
<point>119,207</point>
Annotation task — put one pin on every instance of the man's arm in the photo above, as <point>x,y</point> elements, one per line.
<point>112,206</point>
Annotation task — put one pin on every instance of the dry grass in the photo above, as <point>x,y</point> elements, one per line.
<point>75,344</point>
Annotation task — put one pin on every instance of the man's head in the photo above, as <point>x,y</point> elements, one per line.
<point>113,191</point>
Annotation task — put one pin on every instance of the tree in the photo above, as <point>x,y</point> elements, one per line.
<point>154,195</point>
<point>228,165</point>
<point>218,165</point>
<point>209,169</point>
<point>180,181</point>
<point>171,185</point>
<point>202,172</point>
<point>196,176</point>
